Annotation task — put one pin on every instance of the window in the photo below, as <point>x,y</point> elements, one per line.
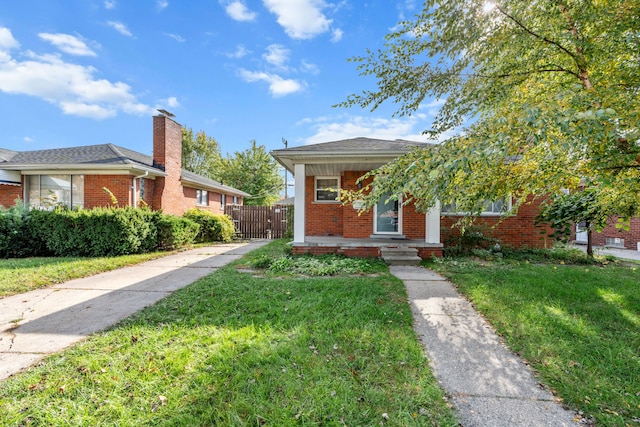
<point>223,200</point>
<point>326,189</point>
<point>235,200</point>
<point>489,208</point>
<point>202,197</point>
<point>47,191</point>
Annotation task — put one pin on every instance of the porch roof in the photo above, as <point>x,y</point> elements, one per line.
<point>333,158</point>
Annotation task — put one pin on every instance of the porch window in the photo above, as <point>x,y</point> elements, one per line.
<point>489,208</point>
<point>202,197</point>
<point>48,191</point>
<point>326,188</point>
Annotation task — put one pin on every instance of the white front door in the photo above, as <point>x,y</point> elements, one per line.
<point>387,217</point>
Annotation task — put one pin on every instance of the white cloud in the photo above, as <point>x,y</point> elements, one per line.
<point>240,52</point>
<point>162,4</point>
<point>72,87</point>
<point>6,40</point>
<point>343,127</point>
<point>120,27</point>
<point>110,4</point>
<point>68,44</point>
<point>176,37</point>
<point>301,19</point>
<point>171,102</point>
<point>277,55</point>
<point>277,85</point>
<point>238,11</point>
<point>310,68</point>
<point>27,139</point>
<point>337,35</point>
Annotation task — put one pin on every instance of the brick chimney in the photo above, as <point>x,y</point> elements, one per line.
<point>167,155</point>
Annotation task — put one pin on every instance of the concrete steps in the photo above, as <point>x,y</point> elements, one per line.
<point>400,256</point>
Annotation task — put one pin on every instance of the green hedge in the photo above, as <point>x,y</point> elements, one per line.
<point>94,232</point>
<point>213,227</point>
<point>175,232</point>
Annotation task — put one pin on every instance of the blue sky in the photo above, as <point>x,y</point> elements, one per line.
<point>81,72</point>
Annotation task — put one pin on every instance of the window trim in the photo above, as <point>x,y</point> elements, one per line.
<point>316,189</point>
<point>509,204</point>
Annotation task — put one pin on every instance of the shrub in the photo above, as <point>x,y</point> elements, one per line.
<point>175,232</point>
<point>213,227</point>
<point>97,232</point>
<point>471,237</point>
<point>17,237</point>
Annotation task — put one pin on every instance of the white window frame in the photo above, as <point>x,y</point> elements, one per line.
<point>75,196</point>
<point>316,189</point>
<point>445,212</point>
<point>202,196</point>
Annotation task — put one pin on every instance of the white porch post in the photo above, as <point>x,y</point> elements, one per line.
<point>433,224</point>
<point>299,203</point>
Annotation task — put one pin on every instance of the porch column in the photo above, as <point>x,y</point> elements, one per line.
<point>433,224</point>
<point>299,203</point>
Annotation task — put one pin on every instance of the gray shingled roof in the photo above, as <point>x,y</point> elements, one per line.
<point>194,178</point>
<point>330,158</point>
<point>357,144</point>
<point>103,154</point>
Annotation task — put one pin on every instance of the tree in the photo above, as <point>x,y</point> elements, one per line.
<point>200,154</point>
<point>253,171</point>
<point>565,210</point>
<point>543,94</point>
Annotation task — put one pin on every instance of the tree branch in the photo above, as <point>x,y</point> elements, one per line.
<point>536,35</point>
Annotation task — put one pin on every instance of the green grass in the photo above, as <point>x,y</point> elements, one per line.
<point>20,275</point>
<point>244,349</point>
<point>577,325</point>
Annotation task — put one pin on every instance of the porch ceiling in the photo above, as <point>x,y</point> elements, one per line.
<point>336,169</point>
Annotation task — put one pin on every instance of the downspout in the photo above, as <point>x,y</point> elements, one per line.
<point>135,189</point>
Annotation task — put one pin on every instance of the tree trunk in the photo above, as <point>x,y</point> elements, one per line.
<point>589,243</point>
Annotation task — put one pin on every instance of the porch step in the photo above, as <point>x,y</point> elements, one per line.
<point>400,256</point>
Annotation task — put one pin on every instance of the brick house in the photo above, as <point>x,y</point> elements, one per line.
<point>323,225</point>
<point>78,176</point>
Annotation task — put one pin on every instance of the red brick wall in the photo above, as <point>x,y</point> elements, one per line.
<point>95,196</point>
<point>322,219</point>
<point>631,237</point>
<point>516,231</point>
<point>9,194</point>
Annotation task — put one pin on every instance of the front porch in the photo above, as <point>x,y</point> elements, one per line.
<point>366,248</point>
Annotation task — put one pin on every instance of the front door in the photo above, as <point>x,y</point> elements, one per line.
<point>388,217</point>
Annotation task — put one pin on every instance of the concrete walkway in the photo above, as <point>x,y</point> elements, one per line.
<point>487,384</point>
<point>621,253</point>
<point>44,321</point>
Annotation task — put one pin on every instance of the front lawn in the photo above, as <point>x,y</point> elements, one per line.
<point>18,275</point>
<point>245,347</point>
<point>577,325</point>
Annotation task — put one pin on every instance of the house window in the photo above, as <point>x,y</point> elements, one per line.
<point>235,200</point>
<point>223,200</point>
<point>489,208</point>
<point>48,191</point>
<point>202,197</point>
<point>326,189</point>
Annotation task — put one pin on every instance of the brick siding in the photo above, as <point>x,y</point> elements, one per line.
<point>631,237</point>
<point>515,231</point>
<point>9,194</point>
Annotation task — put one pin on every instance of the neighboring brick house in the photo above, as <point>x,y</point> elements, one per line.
<point>614,237</point>
<point>324,225</point>
<point>78,176</point>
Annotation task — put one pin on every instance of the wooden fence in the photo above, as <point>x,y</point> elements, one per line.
<point>261,222</point>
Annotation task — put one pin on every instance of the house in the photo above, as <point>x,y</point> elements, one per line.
<point>83,177</point>
<point>324,225</point>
